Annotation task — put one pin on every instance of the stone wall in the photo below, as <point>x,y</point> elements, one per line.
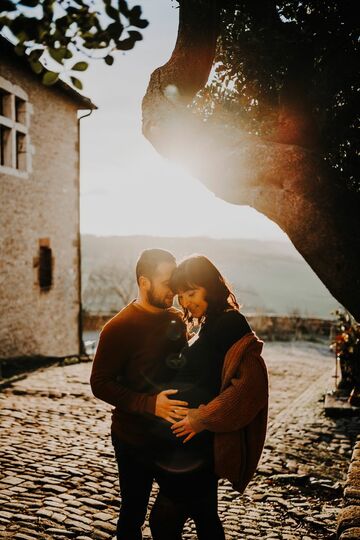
<point>349,517</point>
<point>40,206</point>
<point>268,327</point>
<point>278,328</point>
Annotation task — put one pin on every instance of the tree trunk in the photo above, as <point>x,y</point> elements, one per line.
<point>285,182</point>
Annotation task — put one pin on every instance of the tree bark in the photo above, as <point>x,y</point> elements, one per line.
<point>288,183</point>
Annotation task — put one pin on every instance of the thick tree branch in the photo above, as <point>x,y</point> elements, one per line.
<point>189,66</point>
<point>285,182</point>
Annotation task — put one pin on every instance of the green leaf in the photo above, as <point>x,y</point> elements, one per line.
<point>35,55</point>
<point>4,21</point>
<point>135,13</point>
<point>48,8</point>
<point>125,44</point>
<point>80,66</point>
<point>123,7</point>
<point>22,36</point>
<point>29,3</point>
<point>57,54</point>
<point>109,60</point>
<point>20,49</point>
<point>7,5</point>
<point>141,23</point>
<point>136,36</point>
<point>114,30</point>
<point>134,18</point>
<point>112,12</point>
<point>50,77</point>
<point>77,83</point>
<point>43,33</point>
<point>36,66</point>
<point>63,22</point>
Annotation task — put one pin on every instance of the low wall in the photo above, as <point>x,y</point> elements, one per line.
<point>281,328</point>
<point>268,327</point>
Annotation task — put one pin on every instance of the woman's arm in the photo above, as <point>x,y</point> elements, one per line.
<point>233,408</point>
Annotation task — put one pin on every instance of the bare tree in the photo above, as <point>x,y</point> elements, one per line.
<point>109,288</point>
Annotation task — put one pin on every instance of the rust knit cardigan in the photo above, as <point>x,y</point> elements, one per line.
<point>238,415</point>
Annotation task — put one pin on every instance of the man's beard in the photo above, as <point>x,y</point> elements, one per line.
<point>155,301</point>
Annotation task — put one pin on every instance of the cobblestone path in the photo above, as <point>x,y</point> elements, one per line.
<point>58,476</point>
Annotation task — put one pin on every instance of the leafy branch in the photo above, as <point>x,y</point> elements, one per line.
<point>56,33</point>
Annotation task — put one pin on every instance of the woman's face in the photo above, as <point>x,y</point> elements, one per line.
<point>194,301</point>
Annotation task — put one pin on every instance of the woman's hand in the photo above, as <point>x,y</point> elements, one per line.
<point>182,428</point>
<point>170,409</point>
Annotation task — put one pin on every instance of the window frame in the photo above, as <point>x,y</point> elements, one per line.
<point>15,111</point>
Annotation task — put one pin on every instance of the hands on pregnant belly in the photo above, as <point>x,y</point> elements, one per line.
<point>172,405</point>
<point>195,396</point>
<point>170,409</point>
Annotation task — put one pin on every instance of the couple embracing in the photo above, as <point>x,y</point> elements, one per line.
<point>190,408</point>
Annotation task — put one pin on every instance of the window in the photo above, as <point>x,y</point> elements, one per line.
<point>5,103</point>
<point>6,146</point>
<point>20,151</point>
<point>45,266</point>
<point>20,110</point>
<point>14,128</point>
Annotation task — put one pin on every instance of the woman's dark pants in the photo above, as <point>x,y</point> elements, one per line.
<point>183,496</point>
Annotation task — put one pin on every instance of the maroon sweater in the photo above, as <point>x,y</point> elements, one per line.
<point>131,366</point>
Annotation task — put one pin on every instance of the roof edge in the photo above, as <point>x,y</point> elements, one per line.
<point>85,102</point>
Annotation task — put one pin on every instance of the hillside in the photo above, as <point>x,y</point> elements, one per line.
<point>268,277</point>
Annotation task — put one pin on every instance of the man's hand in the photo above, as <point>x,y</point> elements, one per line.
<point>182,428</point>
<point>170,409</point>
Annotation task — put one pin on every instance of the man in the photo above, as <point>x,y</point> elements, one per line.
<point>132,361</point>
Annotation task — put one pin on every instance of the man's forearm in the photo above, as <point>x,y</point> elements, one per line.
<point>116,394</point>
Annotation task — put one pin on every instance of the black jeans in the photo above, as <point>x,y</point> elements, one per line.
<point>182,496</point>
<point>136,476</point>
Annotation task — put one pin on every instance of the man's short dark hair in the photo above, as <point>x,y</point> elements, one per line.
<point>150,259</point>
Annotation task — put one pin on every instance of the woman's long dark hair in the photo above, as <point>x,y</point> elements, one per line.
<point>198,271</point>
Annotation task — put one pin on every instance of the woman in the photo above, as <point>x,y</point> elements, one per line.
<point>188,473</point>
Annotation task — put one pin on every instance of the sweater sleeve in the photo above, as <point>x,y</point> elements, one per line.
<point>109,362</point>
<point>238,404</point>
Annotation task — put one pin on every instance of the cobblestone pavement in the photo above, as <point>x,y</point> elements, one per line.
<point>58,476</point>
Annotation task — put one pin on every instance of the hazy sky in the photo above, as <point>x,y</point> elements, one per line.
<point>126,187</point>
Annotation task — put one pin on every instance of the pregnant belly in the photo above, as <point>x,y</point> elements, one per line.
<point>161,429</point>
<point>193,394</point>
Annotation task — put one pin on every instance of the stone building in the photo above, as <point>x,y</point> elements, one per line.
<point>40,283</point>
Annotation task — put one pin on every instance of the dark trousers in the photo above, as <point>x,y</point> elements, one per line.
<point>182,496</point>
<point>135,478</point>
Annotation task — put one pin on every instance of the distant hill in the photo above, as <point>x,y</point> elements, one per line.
<point>268,277</point>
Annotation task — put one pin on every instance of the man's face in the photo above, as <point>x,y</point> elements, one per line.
<point>159,293</point>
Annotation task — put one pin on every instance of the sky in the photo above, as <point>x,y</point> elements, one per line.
<point>126,186</point>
